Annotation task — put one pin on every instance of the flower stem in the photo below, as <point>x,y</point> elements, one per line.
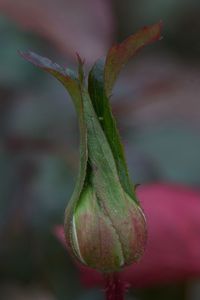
<point>114,287</point>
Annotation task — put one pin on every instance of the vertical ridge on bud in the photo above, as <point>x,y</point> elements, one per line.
<point>76,241</point>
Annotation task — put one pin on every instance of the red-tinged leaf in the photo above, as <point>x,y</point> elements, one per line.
<point>173,248</point>
<point>120,54</point>
<point>57,71</point>
<point>72,25</point>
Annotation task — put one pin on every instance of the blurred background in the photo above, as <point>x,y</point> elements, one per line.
<point>156,103</point>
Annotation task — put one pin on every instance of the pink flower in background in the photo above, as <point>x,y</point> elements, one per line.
<point>173,247</point>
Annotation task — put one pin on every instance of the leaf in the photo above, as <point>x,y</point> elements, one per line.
<point>71,25</point>
<point>120,54</point>
<point>102,108</point>
<point>68,79</point>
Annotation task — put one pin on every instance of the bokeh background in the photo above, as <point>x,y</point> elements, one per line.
<point>157,105</point>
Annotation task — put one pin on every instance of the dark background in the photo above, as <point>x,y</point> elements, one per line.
<point>156,103</point>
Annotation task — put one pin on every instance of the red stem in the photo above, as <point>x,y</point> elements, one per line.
<point>114,287</point>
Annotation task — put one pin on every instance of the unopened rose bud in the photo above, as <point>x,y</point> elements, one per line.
<point>104,225</point>
<point>104,237</point>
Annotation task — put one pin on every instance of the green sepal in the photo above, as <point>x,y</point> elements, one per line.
<point>119,55</point>
<point>70,81</point>
<point>102,107</point>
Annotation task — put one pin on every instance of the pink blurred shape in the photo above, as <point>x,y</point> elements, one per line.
<point>173,247</point>
<point>72,25</point>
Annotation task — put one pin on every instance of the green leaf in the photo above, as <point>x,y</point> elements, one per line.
<point>67,77</point>
<point>70,82</point>
<point>103,111</point>
<point>120,54</point>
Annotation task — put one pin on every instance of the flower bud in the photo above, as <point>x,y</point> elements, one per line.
<point>104,225</point>
<point>107,238</point>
